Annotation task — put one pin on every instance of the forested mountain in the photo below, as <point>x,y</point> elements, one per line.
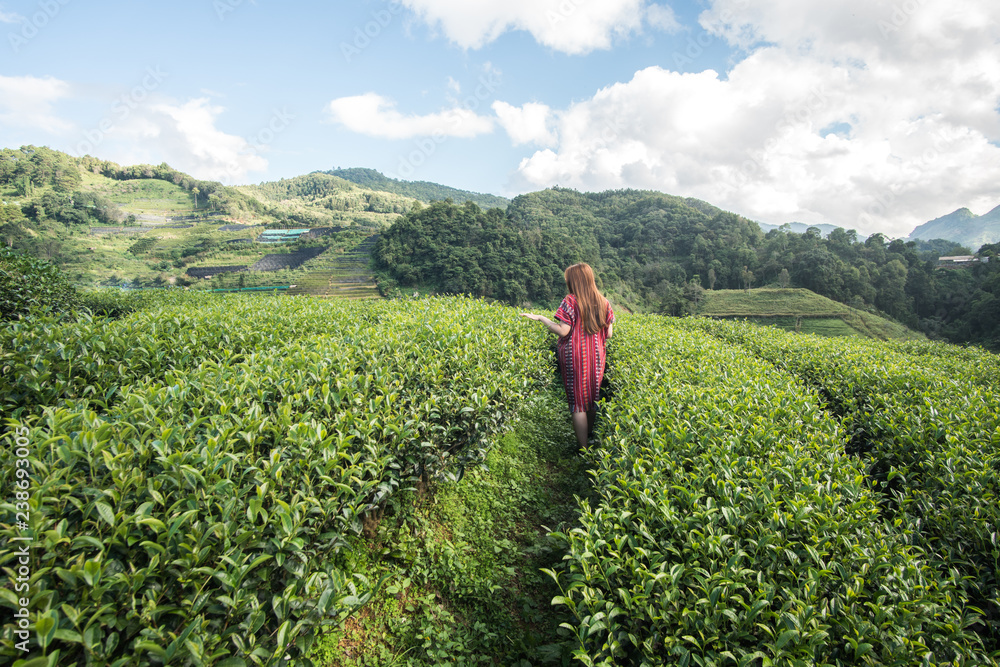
<point>51,184</point>
<point>631,237</point>
<point>962,226</point>
<point>424,191</point>
<point>318,192</point>
<point>47,196</point>
<point>655,251</point>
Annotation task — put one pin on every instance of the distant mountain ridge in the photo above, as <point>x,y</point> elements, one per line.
<point>425,191</point>
<point>962,226</point>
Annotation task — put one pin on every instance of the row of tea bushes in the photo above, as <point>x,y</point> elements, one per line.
<point>970,363</point>
<point>48,359</point>
<point>200,516</point>
<point>929,436</point>
<point>731,528</point>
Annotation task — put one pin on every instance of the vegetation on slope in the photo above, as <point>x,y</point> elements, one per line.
<point>800,310</point>
<point>962,226</point>
<point>424,191</point>
<point>86,216</point>
<point>327,199</point>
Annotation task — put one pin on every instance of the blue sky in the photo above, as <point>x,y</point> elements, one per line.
<point>876,116</point>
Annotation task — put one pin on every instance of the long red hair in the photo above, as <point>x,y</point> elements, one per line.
<point>591,303</point>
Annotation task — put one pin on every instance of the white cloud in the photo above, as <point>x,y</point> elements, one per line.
<point>376,116</point>
<point>205,151</point>
<point>138,127</point>
<point>26,102</point>
<point>570,26</point>
<point>662,17</point>
<point>182,134</point>
<point>10,17</point>
<point>916,104</point>
<point>528,124</point>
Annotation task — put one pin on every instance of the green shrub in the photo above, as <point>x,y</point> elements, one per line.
<point>924,420</point>
<point>732,529</point>
<point>196,468</point>
<point>28,282</point>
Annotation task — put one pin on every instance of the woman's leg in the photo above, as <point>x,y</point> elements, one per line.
<point>591,415</point>
<point>580,426</point>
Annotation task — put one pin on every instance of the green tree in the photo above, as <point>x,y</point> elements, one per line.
<point>891,285</point>
<point>693,292</point>
<point>784,280</point>
<point>23,186</point>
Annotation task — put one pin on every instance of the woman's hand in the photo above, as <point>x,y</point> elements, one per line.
<point>558,328</point>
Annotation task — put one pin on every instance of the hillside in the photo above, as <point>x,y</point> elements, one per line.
<point>800,310</point>
<point>153,226</point>
<point>329,200</point>
<point>424,191</point>
<point>963,227</point>
<point>635,240</point>
<point>50,185</point>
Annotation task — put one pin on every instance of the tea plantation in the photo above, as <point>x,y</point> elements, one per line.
<point>249,480</point>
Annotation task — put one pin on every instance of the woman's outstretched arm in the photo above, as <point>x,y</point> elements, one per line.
<point>558,328</point>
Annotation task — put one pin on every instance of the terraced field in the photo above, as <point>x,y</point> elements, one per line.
<point>340,275</point>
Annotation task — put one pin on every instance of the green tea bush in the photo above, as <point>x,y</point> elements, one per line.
<point>28,282</point>
<point>929,436</point>
<point>967,363</point>
<point>117,303</point>
<point>196,469</point>
<point>732,529</point>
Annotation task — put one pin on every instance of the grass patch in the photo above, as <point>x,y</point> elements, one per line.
<point>796,309</point>
<point>148,196</point>
<point>462,562</point>
<point>822,326</point>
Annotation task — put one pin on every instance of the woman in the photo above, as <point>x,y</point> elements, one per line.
<point>585,323</point>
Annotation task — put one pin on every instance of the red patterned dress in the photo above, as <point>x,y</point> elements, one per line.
<point>581,356</point>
